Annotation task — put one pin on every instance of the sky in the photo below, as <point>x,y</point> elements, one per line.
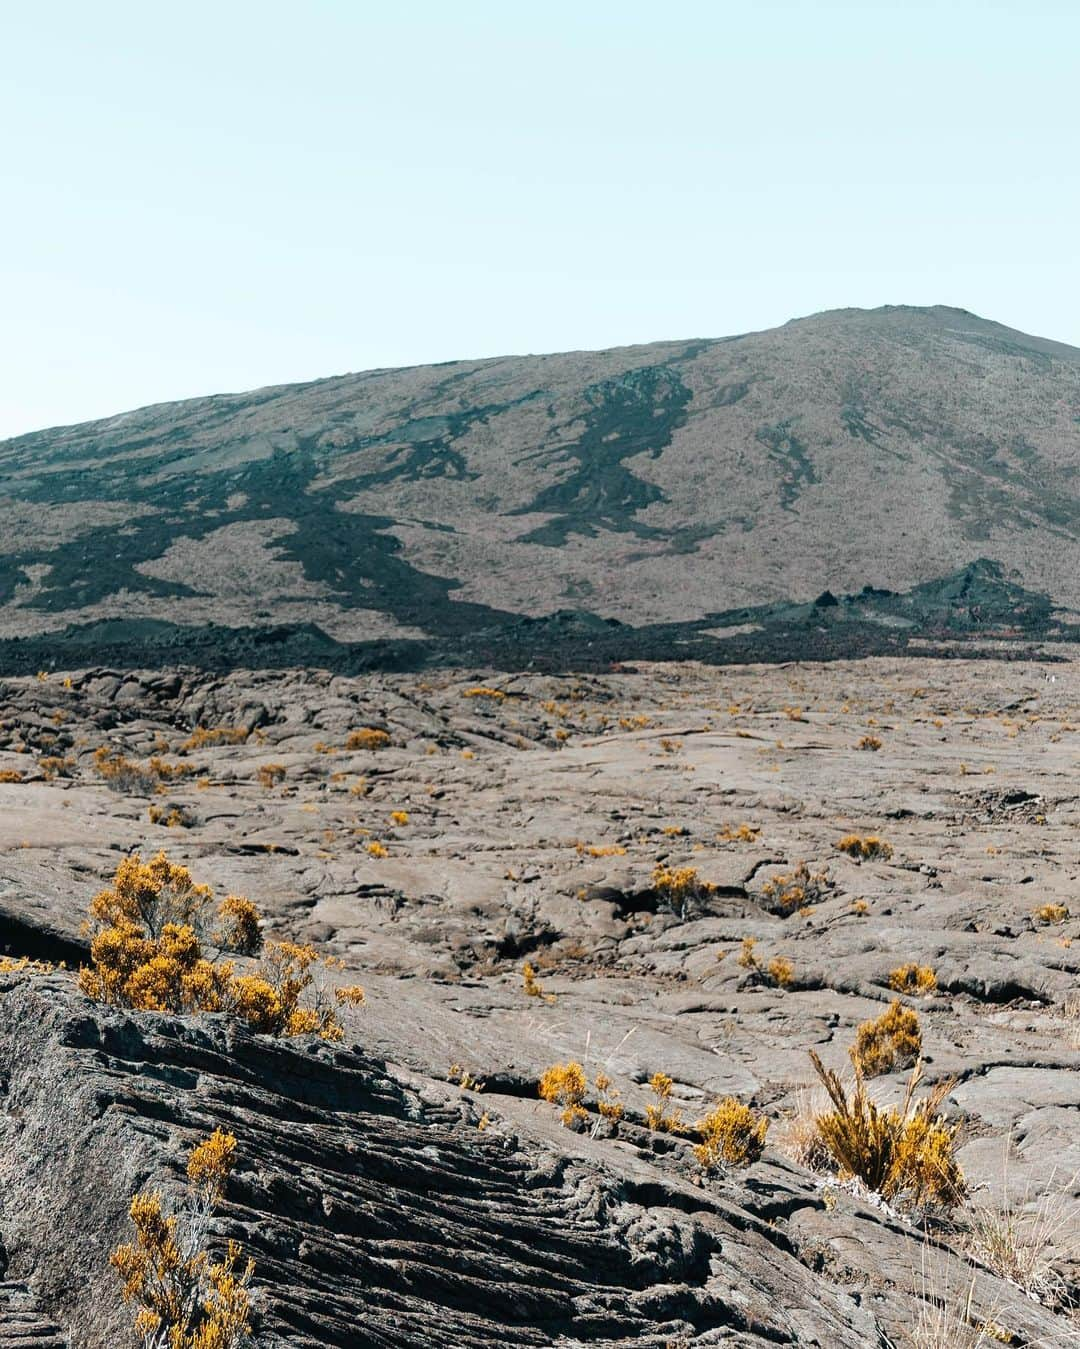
<point>203,198</point>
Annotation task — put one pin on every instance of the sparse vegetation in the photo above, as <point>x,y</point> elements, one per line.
<point>565,1085</point>
<point>787,893</point>
<point>270,774</point>
<point>781,971</point>
<point>680,889</point>
<point>1027,1244</point>
<point>185,1299</point>
<point>127,775</point>
<point>532,986</point>
<point>743,833</point>
<point>870,848</point>
<point>657,1114</point>
<point>892,1040</point>
<point>731,1135</point>
<point>203,737</point>
<point>913,979</point>
<point>1051,914</point>
<point>367,738</point>
<point>157,946</point>
<point>747,959</point>
<point>905,1153</point>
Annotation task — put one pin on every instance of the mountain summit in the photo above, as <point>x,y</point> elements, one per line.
<point>655,484</point>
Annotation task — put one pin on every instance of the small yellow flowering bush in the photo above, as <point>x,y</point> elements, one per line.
<point>680,889</point>
<point>270,774</point>
<point>152,928</point>
<point>913,979</point>
<point>184,1299</point>
<point>367,737</point>
<point>731,1134</point>
<point>202,736</point>
<point>865,849</point>
<point>892,1040</point>
<point>565,1085</point>
<point>1051,913</point>
<point>657,1115</point>
<point>795,890</point>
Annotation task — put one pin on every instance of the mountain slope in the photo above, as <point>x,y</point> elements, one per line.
<point>660,484</point>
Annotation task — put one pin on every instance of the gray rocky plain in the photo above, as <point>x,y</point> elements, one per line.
<point>408,1186</point>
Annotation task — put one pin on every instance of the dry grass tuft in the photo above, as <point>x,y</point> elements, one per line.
<point>905,1153</point>
<point>1026,1243</point>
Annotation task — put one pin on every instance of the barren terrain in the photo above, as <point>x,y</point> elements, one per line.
<point>424,513</point>
<point>532,813</point>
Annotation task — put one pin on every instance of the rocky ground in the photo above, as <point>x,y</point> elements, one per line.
<point>531,812</point>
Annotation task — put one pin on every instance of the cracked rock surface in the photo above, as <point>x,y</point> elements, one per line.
<point>528,829</point>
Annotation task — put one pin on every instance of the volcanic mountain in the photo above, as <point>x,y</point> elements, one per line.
<point>635,499</point>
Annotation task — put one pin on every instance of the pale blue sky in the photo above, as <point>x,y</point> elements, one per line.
<point>206,197</point>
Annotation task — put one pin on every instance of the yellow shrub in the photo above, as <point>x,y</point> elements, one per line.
<point>270,774</point>
<point>399,817</point>
<point>796,889</point>
<point>481,691</point>
<point>1051,913</point>
<point>635,723</point>
<point>147,954</point>
<point>565,1084</point>
<point>10,775</point>
<point>55,765</point>
<point>202,736</point>
<point>864,849</point>
<point>126,775</point>
<point>270,1000</point>
<point>24,965</point>
<point>905,1153</point>
<point>781,971</point>
<point>185,1300</point>
<point>731,1134</point>
<point>869,742</point>
<point>680,888</point>
<point>174,817</point>
<point>367,737</point>
<point>657,1115</point>
<point>532,986</point>
<point>608,1103</point>
<point>913,979</point>
<point>377,849</point>
<point>892,1040</point>
<point>744,833</point>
